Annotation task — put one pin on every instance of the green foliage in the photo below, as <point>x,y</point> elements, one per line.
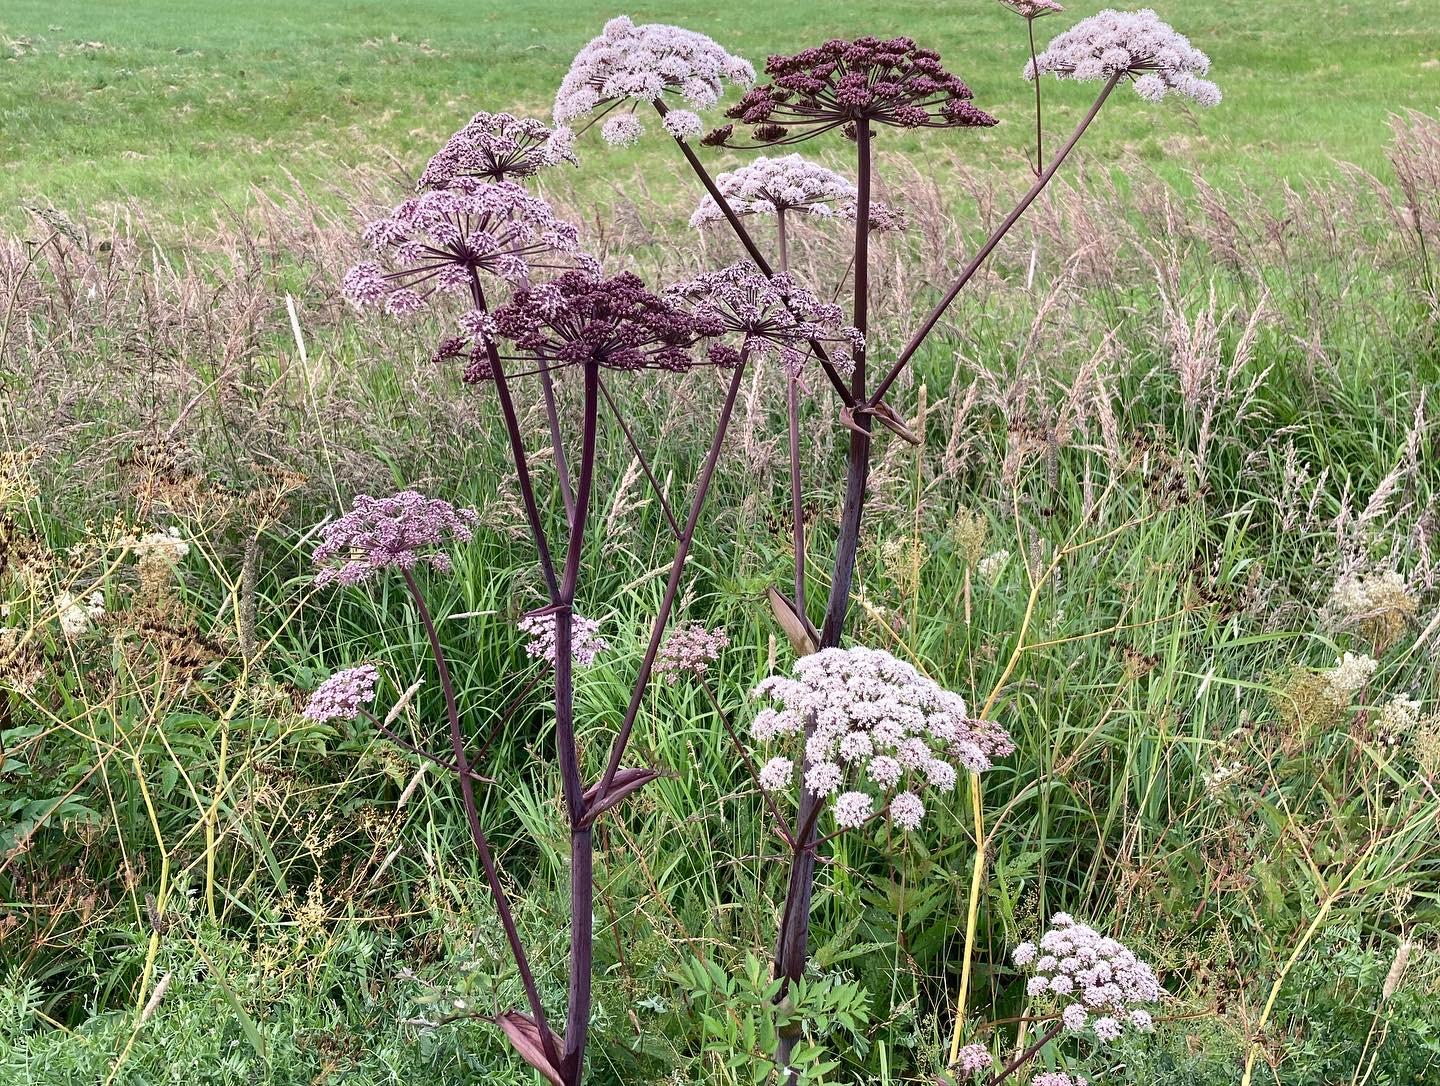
<point>743,1015</point>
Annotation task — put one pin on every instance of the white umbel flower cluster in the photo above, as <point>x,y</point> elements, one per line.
<point>641,64</point>
<point>880,733</point>
<point>1349,676</point>
<point>784,183</point>
<point>1138,44</point>
<point>77,616</point>
<point>1102,986</point>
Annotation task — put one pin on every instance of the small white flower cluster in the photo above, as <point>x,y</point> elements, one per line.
<point>990,567</point>
<point>1135,43</point>
<point>1362,596</point>
<point>785,183</point>
<point>76,616</point>
<point>1059,1078</point>
<point>585,646</point>
<point>1399,717</point>
<point>1348,677</point>
<point>642,63</point>
<point>1223,774</point>
<point>1100,982</point>
<point>877,730</point>
<point>166,547</point>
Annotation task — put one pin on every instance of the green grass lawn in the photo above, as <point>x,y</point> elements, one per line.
<point>185,107</point>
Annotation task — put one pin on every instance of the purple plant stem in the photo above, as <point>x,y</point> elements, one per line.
<point>582,843</point>
<point>753,250</point>
<point>672,586</point>
<point>640,456</point>
<point>792,946</point>
<point>797,494</point>
<point>1025,1057</point>
<point>517,447</point>
<point>557,443</point>
<point>1039,121</point>
<point>928,325</point>
<point>792,412</point>
<point>394,737</point>
<point>781,824</point>
<point>472,817</point>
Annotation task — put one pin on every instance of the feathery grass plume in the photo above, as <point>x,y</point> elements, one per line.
<point>640,65</point>
<point>617,323</point>
<point>585,644</point>
<point>1102,986</point>
<point>398,532</point>
<point>880,728</point>
<point>884,81</point>
<point>498,147</point>
<point>690,650</point>
<point>440,242</point>
<point>772,317</point>
<point>1133,44</point>
<point>341,696</point>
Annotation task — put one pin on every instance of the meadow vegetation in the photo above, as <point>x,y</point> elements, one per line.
<point>1173,510</point>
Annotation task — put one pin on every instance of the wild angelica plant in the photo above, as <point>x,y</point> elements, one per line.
<point>866,734</point>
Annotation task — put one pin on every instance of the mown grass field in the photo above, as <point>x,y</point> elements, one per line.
<point>185,107</point>
<point>1181,406</point>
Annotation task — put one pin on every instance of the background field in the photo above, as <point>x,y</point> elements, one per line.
<point>188,105</point>
<point>1207,365</point>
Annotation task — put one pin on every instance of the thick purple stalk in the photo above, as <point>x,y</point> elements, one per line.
<point>928,325</point>
<point>472,817</point>
<point>582,850</point>
<point>792,947</point>
<point>672,586</point>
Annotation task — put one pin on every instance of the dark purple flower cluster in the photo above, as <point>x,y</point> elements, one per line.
<point>498,147</point>
<point>579,318</point>
<point>885,81</point>
<point>770,316</point>
<point>397,532</point>
<point>438,241</point>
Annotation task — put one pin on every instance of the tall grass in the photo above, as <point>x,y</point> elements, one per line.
<point>1220,406</point>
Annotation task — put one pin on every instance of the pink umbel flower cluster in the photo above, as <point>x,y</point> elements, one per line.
<point>973,1059</point>
<point>891,82</point>
<point>791,183</point>
<point>1135,44</point>
<point>690,650</point>
<point>585,645</point>
<point>1102,986</point>
<point>640,65</point>
<point>341,696</point>
<point>880,731</point>
<point>617,323</point>
<point>772,317</point>
<point>498,147</point>
<point>398,532</point>
<point>1059,1078</point>
<point>1033,9</point>
<point>437,242</point>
